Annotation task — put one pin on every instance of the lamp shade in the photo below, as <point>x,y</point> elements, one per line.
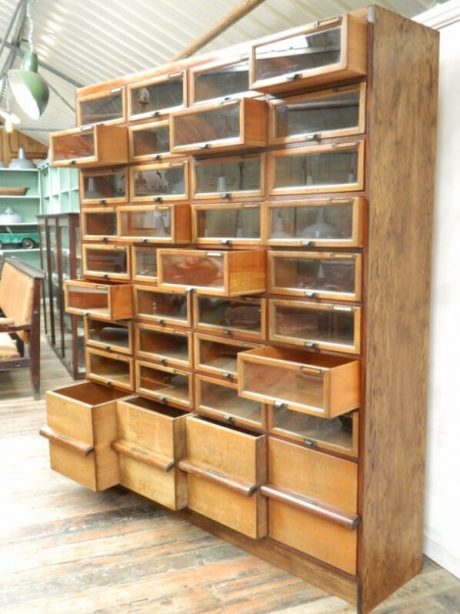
<point>29,88</point>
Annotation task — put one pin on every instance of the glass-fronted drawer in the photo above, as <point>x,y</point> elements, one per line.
<point>144,264</point>
<point>222,224</point>
<point>315,275</point>
<point>167,346</point>
<point>326,51</point>
<point>228,79</point>
<point>105,301</point>
<point>164,384</point>
<point>331,113</point>
<point>95,146</point>
<point>159,182</point>
<point>229,125</point>
<point>149,141</point>
<point>109,336</point>
<point>338,167</point>
<point>106,187</point>
<point>337,434</point>
<point>315,325</point>
<point>242,318</point>
<point>217,356</point>
<point>110,368</point>
<point>154,223</point>
<point>106,106</point>
<point>106,261</point>
<point>99,224</point>
<point>331,222</point>
<point>157,96</point>
<point>163,307</point>
<point>219,400</point>
<point>321,385</point>
<point>214,273</point>
<point>228,178</point>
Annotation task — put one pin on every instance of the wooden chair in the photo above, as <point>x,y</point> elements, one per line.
<point>20,286</point>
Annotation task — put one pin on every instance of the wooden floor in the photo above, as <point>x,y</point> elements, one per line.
<point>64,549</point>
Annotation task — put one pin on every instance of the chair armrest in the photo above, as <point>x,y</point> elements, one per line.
<point>11,328</point>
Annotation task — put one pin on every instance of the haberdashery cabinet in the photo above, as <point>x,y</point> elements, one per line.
<point>256,228</point>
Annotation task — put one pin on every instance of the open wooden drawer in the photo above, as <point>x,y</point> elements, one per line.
<point>110,336</point>
<point>164,384</point>
<point>218,356</point>
<point>220,401</point>
<point>94,146</point>
<point>107,261</point>
<point>108,186</point>
<point>150,442</point>
<point>321,385</point>
<point>107,301</point>
<point>225,126</point>
<point>167,346</point>
<point>331,113</point>
<point>222,224</point>
<point>171,308</point>
<point>319,222</point>
<point>339,435</point>
<point>327,51</point>
<point>216,273</point>
<point>317,326</point>
<point>315,275</point>
<point>312,503</point>
<point>154,223</point>
<point>81,426</point>
<point>335,167</point>
<point>110,368</point>
<point>225,469</point>
<point>238,318</point>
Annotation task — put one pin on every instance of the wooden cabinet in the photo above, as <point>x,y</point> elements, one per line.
<point>154,223</point>
<point>150,443</point>
<point>81,426</point>
<point>225,468</point>
<point>98,145</point>
<point>285,313</point>
<point>229,125</point>
<point>325,52</point>
<point>106,105</point>
<point>104,187</point>
<point>60,256</point>
<point>158,95</point>
<point>213,273</point>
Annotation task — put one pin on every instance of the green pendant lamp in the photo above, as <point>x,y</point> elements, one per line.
<point>29,88</point>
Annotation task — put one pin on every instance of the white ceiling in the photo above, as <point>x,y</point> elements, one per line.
<point>96,40</point>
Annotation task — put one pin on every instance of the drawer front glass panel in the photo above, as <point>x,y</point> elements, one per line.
<point>152,224</point>
<point>152,182</point>
<point>104,186</point>
<point>163,344</point>
<point>214,125</point>
<point>311,223</point>
<point>225,223</point>
<point>226,314</point>
<point>104,109</point>
<point>197,270</point>
<point>106,261</point>
<point>162,305</point>
<point>316,169</point>
<point>157,96</point>
<point>150,141</point>
<point>225,400</point>
<point>231,176</point>
<point>111,334</point>
<point>221,81</point>
<point>146,262</point>
<point>73,146</point>
<point>100,224</point>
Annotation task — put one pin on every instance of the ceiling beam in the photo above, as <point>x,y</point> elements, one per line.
<point>223,24</point>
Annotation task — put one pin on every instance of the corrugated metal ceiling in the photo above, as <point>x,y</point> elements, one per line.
<point>96,40</point>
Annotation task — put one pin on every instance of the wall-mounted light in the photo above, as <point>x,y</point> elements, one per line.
<point>28,87</point>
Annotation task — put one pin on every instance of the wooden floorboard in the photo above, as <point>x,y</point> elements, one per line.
<point>64,549</point>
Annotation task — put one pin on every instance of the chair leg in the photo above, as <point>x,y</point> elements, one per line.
<point>35,376</point>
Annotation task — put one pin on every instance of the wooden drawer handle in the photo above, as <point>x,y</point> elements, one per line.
<point>309,505</point>
<point>240,486</point>
<point>66,442</point>
<point>143,456</point>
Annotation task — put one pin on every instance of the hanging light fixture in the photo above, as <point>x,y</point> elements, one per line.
<point>28,87</point>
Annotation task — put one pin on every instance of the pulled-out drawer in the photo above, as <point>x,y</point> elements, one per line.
<point>107,301</point>
<point>225,468</point>
<point>82,425</point>
<point>150,442</point>
<point>321,385</point>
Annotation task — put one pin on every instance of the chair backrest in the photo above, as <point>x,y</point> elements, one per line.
<point>17,284</point>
